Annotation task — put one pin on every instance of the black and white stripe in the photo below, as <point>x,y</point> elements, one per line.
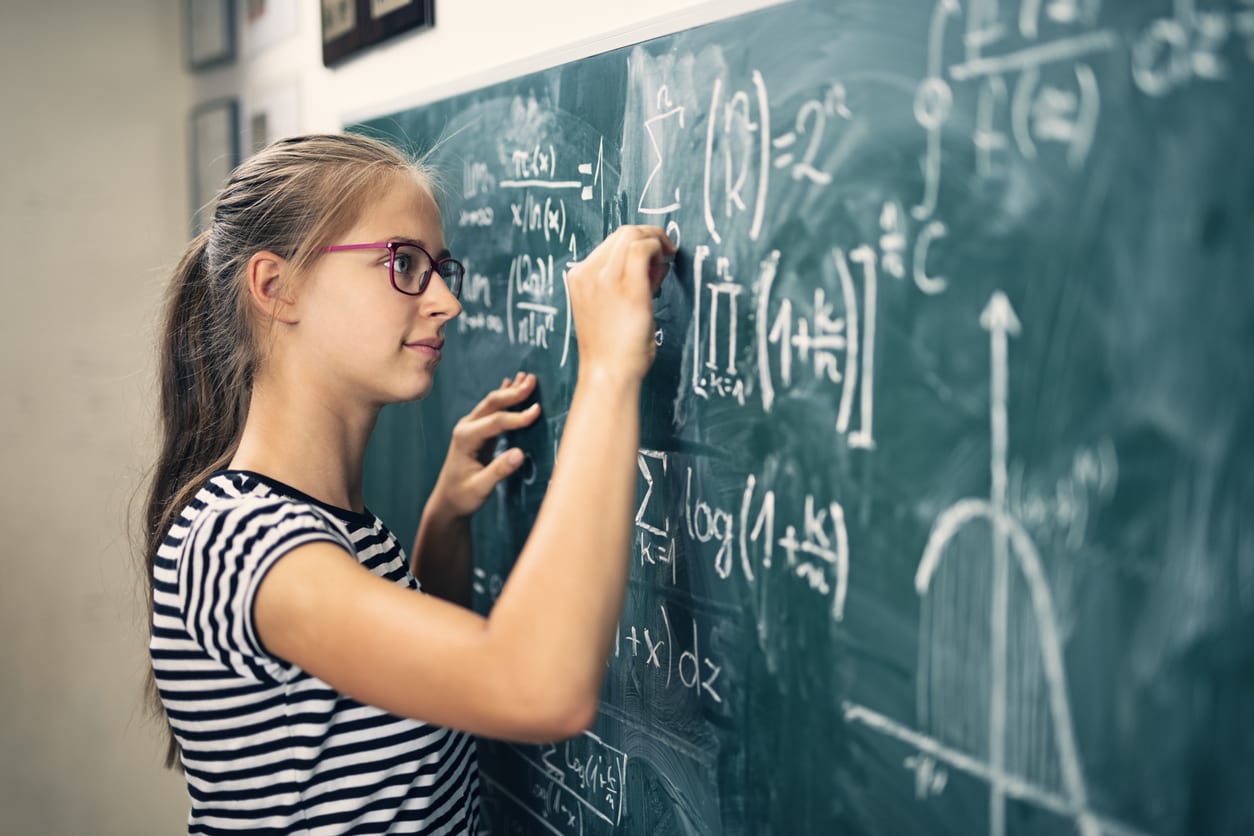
<point>267,748</point>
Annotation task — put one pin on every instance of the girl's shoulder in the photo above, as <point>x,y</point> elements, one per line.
<point>233,499</point>
<point>250,487</point>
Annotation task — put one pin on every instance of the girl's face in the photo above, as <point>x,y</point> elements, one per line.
<point>364,339</point>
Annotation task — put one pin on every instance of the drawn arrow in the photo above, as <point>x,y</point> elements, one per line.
<point>1000,321</point>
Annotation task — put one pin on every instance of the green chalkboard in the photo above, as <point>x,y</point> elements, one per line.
<point>946,517</point>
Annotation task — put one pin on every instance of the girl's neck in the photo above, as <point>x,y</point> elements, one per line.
<point>307,440</point>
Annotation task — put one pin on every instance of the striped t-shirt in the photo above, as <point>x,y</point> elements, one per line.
<point>266,747</point>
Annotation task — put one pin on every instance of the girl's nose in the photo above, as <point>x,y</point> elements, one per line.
<point>438,300</point>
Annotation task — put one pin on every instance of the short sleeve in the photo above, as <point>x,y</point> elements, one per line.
<point>229,549</point>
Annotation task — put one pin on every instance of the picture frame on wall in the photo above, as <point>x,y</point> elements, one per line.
<point>214,152</point>
<point>349,26</point>
<point>210,33</point>
<point>389,18</point>
<point>340,30</point>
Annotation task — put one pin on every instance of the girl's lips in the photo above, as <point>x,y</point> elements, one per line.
<point>429,348</point>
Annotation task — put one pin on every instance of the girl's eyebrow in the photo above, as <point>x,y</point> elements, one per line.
<point>401,239</point>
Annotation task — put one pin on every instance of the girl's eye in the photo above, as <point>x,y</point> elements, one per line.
<point>403,263</point>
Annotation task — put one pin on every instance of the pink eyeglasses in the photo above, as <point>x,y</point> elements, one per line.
<point>410,266</point>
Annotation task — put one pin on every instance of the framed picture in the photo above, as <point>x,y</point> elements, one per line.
<point>340,30</point>
<point>352,25</point>
<point>210,27</point>
<point>215,151</point>
<point>266,23</point>
<point>389,18</point>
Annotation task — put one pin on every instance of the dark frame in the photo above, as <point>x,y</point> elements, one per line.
<point>223,12</point>
<point>202,158</point>
<point>368,30</point>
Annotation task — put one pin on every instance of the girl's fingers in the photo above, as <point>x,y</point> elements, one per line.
<point>650,257</point>
<point>622,248</point>
<point>498,469</point>
<point>474,432</point>
<point>510,393</point>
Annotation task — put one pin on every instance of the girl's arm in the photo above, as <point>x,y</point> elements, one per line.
<point>533,669</point>
<point>444,542</point>
<point>443,548</point>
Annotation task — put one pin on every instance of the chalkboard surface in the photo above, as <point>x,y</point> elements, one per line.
<point>946,488</point>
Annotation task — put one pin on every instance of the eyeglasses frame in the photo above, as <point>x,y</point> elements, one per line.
<point>391,247</point>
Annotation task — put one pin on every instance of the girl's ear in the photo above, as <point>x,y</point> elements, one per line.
<point>268,287</point>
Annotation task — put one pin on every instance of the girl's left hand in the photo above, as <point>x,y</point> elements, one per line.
<point>470,473</point>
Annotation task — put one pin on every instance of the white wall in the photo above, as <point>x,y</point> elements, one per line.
<point>93,214</point>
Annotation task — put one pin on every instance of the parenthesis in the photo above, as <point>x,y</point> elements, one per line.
<point>1028,82</point>
<point>770,266</point>
<point>849,297</point>
<point>566,340</point>
<point>1090,108</point>
<point>622,783</point>
<point>764,177</point>
<point>509,299</point>
<point>745,502</point>
<point>712,122</point>
<point>842,559</point>
<point>670,644</point>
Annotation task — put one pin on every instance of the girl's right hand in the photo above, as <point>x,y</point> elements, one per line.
<point>611,298</point>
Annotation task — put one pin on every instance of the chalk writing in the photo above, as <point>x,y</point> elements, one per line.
<point>653,534</point>
<point>1190,44</point>
<point>570,783</point>
<point>1008,538</point>
<point>477,179</point>
<point>671,117</point>
<point>662,648</point>
<point>738,143</point>
<point>1041,81</point>
<point>716,344</point>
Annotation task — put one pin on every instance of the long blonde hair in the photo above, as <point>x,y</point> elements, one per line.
<point>292,198</point>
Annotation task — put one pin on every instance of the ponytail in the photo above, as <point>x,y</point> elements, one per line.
<point>291,198</point>
<point>204,383</point>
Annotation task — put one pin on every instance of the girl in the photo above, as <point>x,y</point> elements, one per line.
<point>309,685</point>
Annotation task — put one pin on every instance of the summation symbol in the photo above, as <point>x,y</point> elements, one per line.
<point>1009,540</point>
<point>653,524</point>
<point>656,127</point>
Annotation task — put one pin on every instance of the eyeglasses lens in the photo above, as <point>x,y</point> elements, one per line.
<point>411,271</point>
